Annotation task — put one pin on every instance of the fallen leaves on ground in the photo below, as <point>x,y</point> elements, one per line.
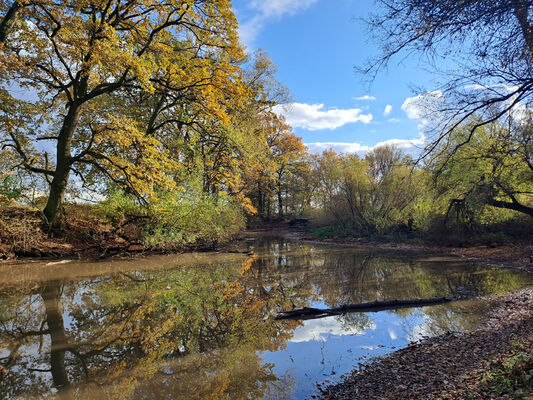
<point>451,366</point>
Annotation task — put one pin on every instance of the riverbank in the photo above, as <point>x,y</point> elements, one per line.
<point>514,255</point>
<point>86,235</point>
<point>482,364</point>
<point>22,238</point>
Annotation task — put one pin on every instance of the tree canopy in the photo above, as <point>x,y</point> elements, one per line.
<point>112,84</point>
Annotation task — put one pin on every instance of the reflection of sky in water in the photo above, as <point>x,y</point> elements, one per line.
<point>317,351</point>
<point>323,349</point>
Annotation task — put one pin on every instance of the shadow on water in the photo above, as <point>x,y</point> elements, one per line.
<point>202,326</point>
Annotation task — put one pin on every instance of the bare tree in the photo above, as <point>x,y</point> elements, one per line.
<point>382,160</point>
<point>490,43</point>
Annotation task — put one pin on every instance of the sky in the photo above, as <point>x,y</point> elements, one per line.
<point>316,45</point>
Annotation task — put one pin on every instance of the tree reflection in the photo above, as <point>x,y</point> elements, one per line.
<point>154,332</point>
<point>58,339</point>
<point>198,332</point>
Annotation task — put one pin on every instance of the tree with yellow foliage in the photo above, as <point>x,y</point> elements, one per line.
<point>110,83</point>
<point>273,179</point>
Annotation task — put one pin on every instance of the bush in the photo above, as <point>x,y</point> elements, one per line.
<point>118,206</point>
<point>9,188</point>
<point>334,232</point>
<point>175,220</point>
<point>514,374</point>
<point>191,219</point>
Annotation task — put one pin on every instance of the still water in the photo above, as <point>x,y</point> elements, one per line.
<point>201,326</point>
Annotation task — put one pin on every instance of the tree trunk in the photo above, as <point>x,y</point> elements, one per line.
<point>62,171</point>
<point>260,203</point>
<point>8,20</point>
<point>375,306</point>
<point>521,12</point>
<point>511,206</point>
<point>287,202</point>
<point>54,320</point>
<point>280,204</point>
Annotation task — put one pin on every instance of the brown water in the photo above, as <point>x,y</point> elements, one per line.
<point>201,326</point>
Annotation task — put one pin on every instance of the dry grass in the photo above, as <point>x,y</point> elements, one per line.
<point>23,233</point>
<point>21,230</point>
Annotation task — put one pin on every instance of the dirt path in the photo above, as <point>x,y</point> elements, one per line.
<point>449,366</point>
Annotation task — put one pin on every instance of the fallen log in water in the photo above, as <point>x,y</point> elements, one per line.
<point>374,306</point>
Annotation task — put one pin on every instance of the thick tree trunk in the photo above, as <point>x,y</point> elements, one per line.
<point>63,164</point>
<point>8,20</point>
<point>54,320</point>
<point>521,12</point>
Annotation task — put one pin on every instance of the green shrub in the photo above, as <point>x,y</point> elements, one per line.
<point>118,206</point>
<point>9,188</point>
<point>512,375</point>
<point>494,237</point>
<point>178,220</point>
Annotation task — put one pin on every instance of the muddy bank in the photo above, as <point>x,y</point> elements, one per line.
<point>24,237</point>
<point>451,366</point>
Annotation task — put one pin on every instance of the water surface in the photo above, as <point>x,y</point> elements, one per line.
<point>201,326</point>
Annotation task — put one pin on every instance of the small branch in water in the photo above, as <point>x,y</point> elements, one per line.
<point>374,306</point>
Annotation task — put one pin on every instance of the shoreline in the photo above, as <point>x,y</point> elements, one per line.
<point>449,366</point>
<point>516,256</point>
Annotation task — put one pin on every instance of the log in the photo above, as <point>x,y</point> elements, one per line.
<point>374,306</point>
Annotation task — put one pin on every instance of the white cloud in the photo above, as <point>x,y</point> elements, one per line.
<point>506,88</point>
<point>369,347</point>
<point>418,107</point>
<point>339,147</point>
<point>313,330</point>
<point>314,117</point>
<point>410,146</point>
<point>388,110</point>
<point>249,30</point>
<point>520,112</point>
<point>366,97</point>
<point>278,8</point>
<point>423,108</point>
<point>268,10</point>
<point>392,334</point>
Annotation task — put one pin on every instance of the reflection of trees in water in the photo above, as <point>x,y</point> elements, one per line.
<point>347,276</point>
<point>355,321</point>
<point>357,277</point>
<point>195,332</point>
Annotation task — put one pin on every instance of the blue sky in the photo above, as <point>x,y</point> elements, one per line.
<point>316,44</point>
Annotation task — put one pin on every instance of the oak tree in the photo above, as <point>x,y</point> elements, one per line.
<point>70,71</point>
